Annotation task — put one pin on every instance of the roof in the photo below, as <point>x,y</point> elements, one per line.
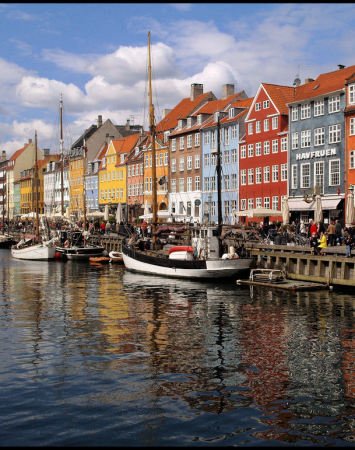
<point>43,162</point>
<point>121,146</point>
<point>18,153</point>
<point>217,105</point>
<point>325,83</point>
<point>280,95</point>
<point>181,110</point>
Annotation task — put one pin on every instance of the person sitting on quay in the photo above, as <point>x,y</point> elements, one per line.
<point>322,243</point>
<point>348,241</point>
<point>313,242</point>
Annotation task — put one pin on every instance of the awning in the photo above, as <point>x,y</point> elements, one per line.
<point>298,204</point>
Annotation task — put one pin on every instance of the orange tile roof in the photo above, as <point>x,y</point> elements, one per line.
<point>181,110</point>
<point>216,105</point>
<point>43,162</point>
<point>244,103</point>
<point>18,153</point>
<point>325,83</point>
<point>280,95</point>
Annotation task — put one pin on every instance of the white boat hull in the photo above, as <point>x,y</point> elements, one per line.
<point>34,252</point>
<point>214,268</point>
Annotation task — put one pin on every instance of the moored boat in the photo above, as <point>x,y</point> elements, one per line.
<point>26,249</point>
<point>116,257</point>
<point>6,241</point>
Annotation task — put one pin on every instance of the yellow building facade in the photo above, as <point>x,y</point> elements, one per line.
<point>76,185</point>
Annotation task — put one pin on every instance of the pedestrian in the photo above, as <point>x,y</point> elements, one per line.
<point>338,232</point>
<point>144,228</point>
<point>348,241</point>
<point>302,228</point>
<point>103,227</point>
<point>331,234</point>
<point>313,228</point>
<point>313,242</point>
<point>322,243</point>
<point>108,227</point>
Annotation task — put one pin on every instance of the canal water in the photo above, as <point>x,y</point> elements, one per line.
<point>98,356</point>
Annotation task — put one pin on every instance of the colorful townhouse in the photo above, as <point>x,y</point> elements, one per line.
<point>3,188</point>
<point>28,189</point>
<point>20,160</point>
<point>349,113</point>
<point>113,175</point>
<point>185,172</point>
<point>263,151</point>
<point>317,146</point>
<point>230,114</point>
<point>135,181</point>
<point>52,185</point>
<point>92,182</point>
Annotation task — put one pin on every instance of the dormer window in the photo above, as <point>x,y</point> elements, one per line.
<point>166,136</point>
<point>103,162</point>
<point>122,157</point>
<point>216,115</point>
<point>351,90</point>
<point>136,151</point>
<point>231,113</point>
<point>199,119</point>
<point>180,124</point>
<point>189,122</point>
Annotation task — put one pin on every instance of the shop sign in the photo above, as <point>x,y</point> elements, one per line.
<point>317,154</point>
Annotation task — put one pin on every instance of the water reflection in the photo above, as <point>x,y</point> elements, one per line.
<point>160,361</point>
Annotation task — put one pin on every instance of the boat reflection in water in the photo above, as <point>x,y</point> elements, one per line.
<point>152,361</point>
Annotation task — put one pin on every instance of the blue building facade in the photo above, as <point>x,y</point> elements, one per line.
<point>92,186</point>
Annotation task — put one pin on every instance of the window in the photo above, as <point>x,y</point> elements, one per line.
<point>275,145</point>
<point>207,159</point>
<point>213,208</point>
<point>334,133</point>
<point>199,119</point>
<point>250,203</point>
<point>181,207</point>
<point>266,147</point>
<point>266,174</point>
<point>197,183</point>
<point>284,144</point>
<point>258,149</point>
<point>294,113</point>
<point>234,132</point>
<point>334,172</point>
<point>231,113</point>
<point>305,175</point>
<point>234,155</point>
<point>189,140</point>
<point>226,207</point>
<point>266,104</point>
<point>250,128</point>
<point>352,126</point>
<point>258,175</point>
<point>251,176</point>
<point>160,158</point>
<point>319,175</point>
<point>213,183</point>
<point>189,184</point>
<point>258,202</point>
<point>197,139</point>
<point>189,163</point>
<point>234,181</point>
<point>275,173</point>
<point>213,139</point>
<point>319,108</point>
<point>207,137</point>
<point>284,172</point>
<point>267,202</point>
<point>181,143</point>
<point>243,151</point>
<point>213,159</point>
<point>294,176</point>
<point>319,136</point>
<point>258,126</point>
<point>173,145</point>
<point>181,184</point>
<point>294,139</point>
<point>166,160</point>
<point>306,111</point>
<point>181,164</point>
<point>226,182</point>
<point>334,104</point>
<point>173,185</point>
<point>266,125</point>
<point>258,106</point>
<point>275,123</point>
<point>197,161</point>
<point>352,159</point>
<point>243,177</point>
<point>243,204</point>
<point>226,136</point>
<point>275,202</point>
<point>305,138</point>
<point>250,150</point>
<point>173,165</point>
<point>351,91</point>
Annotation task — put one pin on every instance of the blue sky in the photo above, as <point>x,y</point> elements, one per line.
<point>96,56</point>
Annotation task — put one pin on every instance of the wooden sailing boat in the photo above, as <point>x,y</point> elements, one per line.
<point>201,260</point>
<point>27,249</point>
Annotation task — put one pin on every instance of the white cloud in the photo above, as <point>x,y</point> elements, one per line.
<point>181,6</point>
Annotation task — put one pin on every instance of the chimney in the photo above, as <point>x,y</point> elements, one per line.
<point>165,112</point>
<point>30,141</point>
<point>308,80</point>
<point>227,90</point>
<point>127,127</point>
<point>46,152</point>
<point>99,121</point>
<point>340,66</point>
<point>3,156</point>
<point>196,90</point>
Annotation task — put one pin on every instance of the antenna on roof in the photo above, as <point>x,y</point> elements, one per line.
<point>340,66</point>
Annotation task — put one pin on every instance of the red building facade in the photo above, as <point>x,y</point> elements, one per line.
<point>263,150</point>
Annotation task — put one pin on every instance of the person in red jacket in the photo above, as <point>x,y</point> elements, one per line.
<point>103,227</point>
<point>313,228</point>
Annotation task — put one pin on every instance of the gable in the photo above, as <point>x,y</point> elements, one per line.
<point>261,95</point>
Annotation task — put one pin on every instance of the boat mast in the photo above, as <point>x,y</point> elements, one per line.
<point>84,187</point>
<point>152,133</point>
<point>219,176</point>
<point>36,190</point>
<point>61,155</point>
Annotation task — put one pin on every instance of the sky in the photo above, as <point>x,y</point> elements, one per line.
<point>96,56</point>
